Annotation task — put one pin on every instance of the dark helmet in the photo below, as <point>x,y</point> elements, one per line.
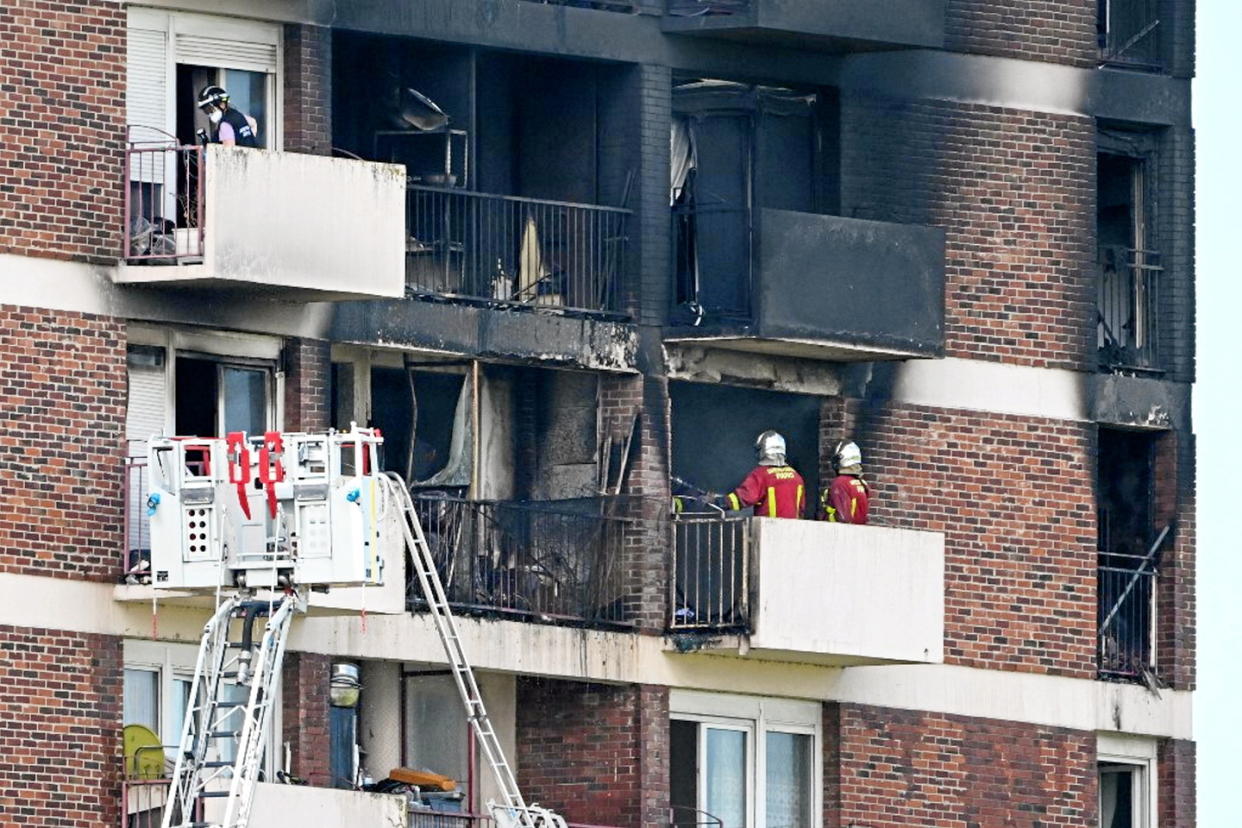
<point>212,95</point>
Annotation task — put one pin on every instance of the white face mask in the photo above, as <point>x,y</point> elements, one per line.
<point>215,115</point>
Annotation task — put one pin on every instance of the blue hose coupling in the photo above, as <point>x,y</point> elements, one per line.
<point>353,496</point>
<point>152,502</point>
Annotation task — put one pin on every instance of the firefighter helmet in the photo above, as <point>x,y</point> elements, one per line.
<point>770,449</point>
<point>847,457</point>
<point>212,96</point>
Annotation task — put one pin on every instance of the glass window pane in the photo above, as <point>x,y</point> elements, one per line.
<point>789,768</point>
<point>248,93</point>
<point>180,701</point>
<point>726,776</point>
<point>245,400</point>
<point>142,698</point>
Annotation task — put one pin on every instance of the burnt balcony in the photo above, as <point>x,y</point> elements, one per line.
<point>1128,310</point>
<point>556,561</point>
<point>805,284</point>
<point>1131,35</point>
<point>515,252</point>
<point>800,590</point>
<point>286,224</point>
<point>830,25</point>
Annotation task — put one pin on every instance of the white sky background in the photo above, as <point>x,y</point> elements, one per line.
<point>1218,407</point>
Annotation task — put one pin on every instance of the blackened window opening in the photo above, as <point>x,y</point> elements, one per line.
<point>1129,266</point>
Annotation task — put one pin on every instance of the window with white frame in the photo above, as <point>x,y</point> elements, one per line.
<point>158,679</point>
<point>1127,781</point>
<point>744,760</point>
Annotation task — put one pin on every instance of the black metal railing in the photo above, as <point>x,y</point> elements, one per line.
<point>710,588</point>
<point>554,560</point>
<point>515,250</point>
<point>1127,613</point>
<point>1130,33</point>
<point>1128,308</point>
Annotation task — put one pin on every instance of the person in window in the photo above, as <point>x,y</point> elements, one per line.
<point>231,127</point>
<point>773,487</point>
<point>847,500</point>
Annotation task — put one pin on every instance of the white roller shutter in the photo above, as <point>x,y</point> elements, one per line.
<point>146,97</point>
<point>147,404</point>
<point>228,53</point>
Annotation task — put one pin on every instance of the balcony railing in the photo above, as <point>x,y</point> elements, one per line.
<point>424,818</point>
<point>135,564</point>
<point>1127,600</point>
<point>1130,34</point>
<point>144,786</point>
<point>629,6</point>
<point>1128,309</point>
<point>164,202</point>
<point>510,250</point>
<point>710,584</point>
<point>547,560</point>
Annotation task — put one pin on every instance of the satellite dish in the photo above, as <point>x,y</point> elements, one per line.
<point>417,111</point>
<point>144,756</point>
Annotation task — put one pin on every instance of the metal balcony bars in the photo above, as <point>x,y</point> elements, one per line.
<point>164,199</point>
<point>1128,308</point>
<point>549,560</point>
<point>1127,613</point>
<point>515,251</point>
<point>710,588</point>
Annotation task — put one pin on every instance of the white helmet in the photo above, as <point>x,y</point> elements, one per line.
<point>770,448</point>
<point>847,457</point>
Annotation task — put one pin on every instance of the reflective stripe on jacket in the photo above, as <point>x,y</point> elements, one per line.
<point>847,500</point>
<point>774,491</point>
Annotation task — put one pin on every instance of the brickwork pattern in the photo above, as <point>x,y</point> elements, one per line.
<point>1014,192</point>
<point>1176,769</point>
<point>652,230</point>
<point>62,128</point>
<point>60,727</point>
<point>647,541</point>
<point>308,89</point>
<point>902,768</point>
<point>308,371</point>
<point>1174,472</point>
<point>63,390</point>
<point>595,753</point>
<point>304,696</point>
<point>1055,31</point>
<point>1015,501</point>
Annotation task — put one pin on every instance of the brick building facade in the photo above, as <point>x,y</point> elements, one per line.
<point>959,234</point>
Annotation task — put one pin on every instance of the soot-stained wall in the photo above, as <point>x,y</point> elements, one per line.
<point>714,430</point>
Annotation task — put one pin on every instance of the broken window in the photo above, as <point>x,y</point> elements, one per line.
<point>737,148</point>
<point>1129,266</point>
<point>1130,32</point>
<point>1128,545</point>
<point>424,412</point>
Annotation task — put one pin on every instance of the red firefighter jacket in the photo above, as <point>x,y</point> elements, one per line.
<point>846,501</point>
<point>774,491</point>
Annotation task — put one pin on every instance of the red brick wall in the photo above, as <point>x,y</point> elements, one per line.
<point>308,89</point>
<point>1174,473</point>
<point>62,416</point>
<point>308,367</point>
<point>1058,31</point>
<point>304,696</point>
<point>60,727</point>
<point>1176,783</point>
<point>1015,499</point>
<point>1014,192</point>
<point>646,541</point>
<point>62,128</point>
<point>596,754</point>
<point>901,768</point>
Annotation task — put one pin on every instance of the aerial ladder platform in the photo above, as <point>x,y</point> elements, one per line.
<point>258,521</point>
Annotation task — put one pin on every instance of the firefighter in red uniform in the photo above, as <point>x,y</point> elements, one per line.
<point>847,499</point>
<point>773,488</point>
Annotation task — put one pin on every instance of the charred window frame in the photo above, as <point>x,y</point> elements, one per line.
<point>1131,286</point>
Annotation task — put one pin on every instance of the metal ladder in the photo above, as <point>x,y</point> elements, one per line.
<point>213,719</point>
<point>514,811</point>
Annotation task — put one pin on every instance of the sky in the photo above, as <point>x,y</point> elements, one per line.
<point>1218,126</point>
